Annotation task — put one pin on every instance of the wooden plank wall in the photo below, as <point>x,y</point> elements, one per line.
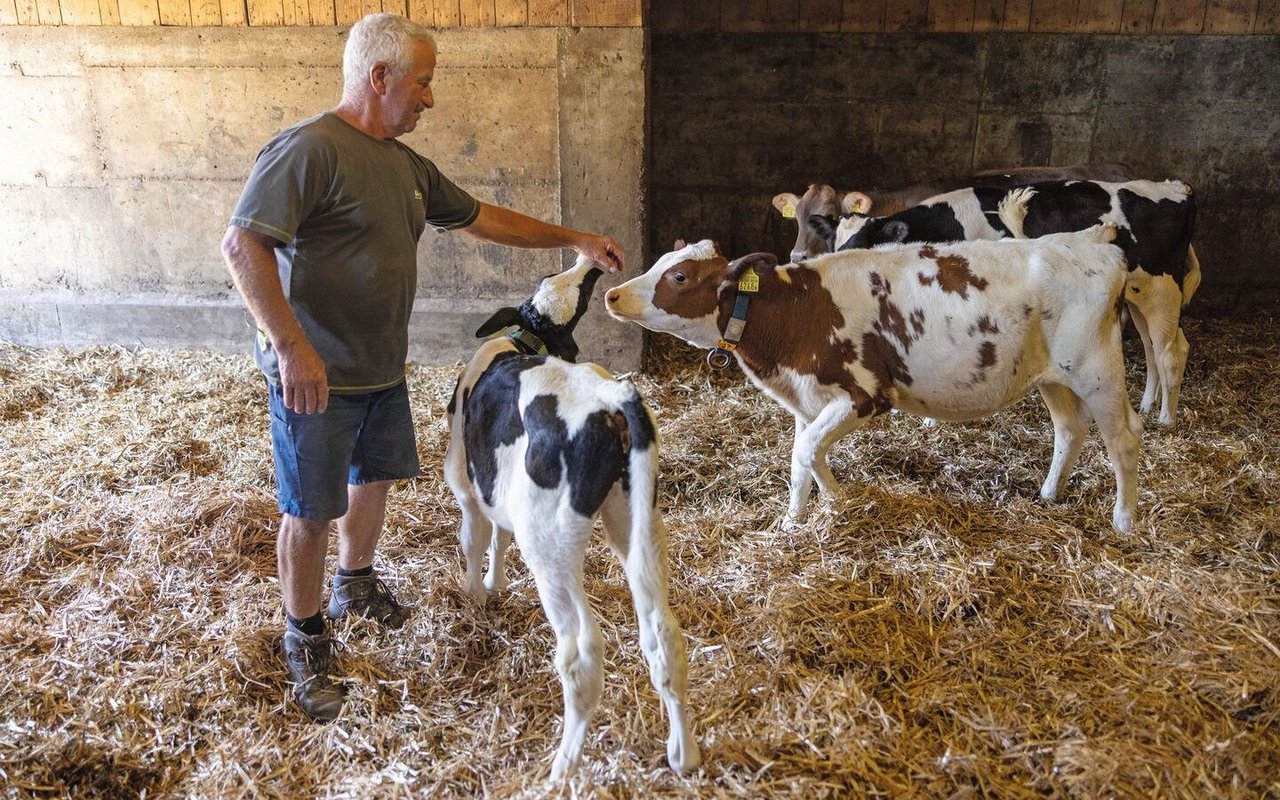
<point>436,13</point>
<point>968,16</point>
<point>674,16</point>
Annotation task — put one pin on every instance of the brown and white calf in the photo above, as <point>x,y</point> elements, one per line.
<point>1155,219</point>
<point>823,200</point>
<point>539,447</point>
<point>954,332</point>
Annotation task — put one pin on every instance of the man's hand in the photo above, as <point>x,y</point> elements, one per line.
<point>302,378</point>
<point>603,250</point>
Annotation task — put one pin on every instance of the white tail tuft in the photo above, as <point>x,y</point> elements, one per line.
<point>1013,210</point>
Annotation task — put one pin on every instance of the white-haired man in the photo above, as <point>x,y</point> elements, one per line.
<point>323,247</point>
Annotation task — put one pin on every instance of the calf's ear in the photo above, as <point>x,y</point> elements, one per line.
<point>504,318</point>
<point>895,230</point>
<point>757,261</point>
<point>679,245</point>
<point>855,202</point>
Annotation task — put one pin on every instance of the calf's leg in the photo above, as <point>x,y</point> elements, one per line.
<point>809,453</point>
<point>495,580</point>
<point>555,557</point>
<point>640,544</point>
<point>1070,425</point>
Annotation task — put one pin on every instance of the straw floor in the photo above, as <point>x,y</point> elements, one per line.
<point>936,631</point>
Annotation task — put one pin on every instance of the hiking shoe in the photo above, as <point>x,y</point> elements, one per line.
<point>365,596</point>
<point>311,663</point>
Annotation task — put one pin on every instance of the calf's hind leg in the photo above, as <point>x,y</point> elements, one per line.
<point>555,557</point>
<point>641,547</point>
<point>1070,425</point>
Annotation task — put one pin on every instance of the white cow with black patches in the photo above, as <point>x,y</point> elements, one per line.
<point>538,448</point>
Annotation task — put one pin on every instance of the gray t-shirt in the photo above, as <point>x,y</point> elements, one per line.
<point>347,210</point>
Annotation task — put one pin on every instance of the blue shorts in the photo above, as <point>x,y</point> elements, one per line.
<point>360,438</point>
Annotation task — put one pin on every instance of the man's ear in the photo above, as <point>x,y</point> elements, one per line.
<point>504,318</point>
<point>378,75</point>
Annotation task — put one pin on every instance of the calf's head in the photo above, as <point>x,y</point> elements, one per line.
<point>553,310</point>
<point>824,201</point>
<point>686,293</point>
<point>861,232</point>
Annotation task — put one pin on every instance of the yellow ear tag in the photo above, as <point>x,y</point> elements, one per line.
<point>749,281</point>
<point>789,211</point>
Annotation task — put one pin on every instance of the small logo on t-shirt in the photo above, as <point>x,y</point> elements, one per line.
<point>417,194</point>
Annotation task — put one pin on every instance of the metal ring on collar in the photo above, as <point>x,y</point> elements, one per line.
<point>718,359</point>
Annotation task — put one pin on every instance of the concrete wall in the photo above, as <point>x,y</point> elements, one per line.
<point>740,117</point>
<point>123,150</point>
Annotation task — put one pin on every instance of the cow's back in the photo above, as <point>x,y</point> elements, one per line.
<point>964,329</point>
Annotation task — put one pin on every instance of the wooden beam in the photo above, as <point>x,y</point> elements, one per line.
<point>988,15</point>
<point>49,12</point>
<point>235,13</point>
<point>819,15</point>
<point>323,12</point>
<point>80,12</point>
<point>400,7</point>
<point>781,15</point>
<point>1267,21</point>
<point>862,16</point>
<point>26,12</point>
<point>951,16</point>
<point>511,13</point>
<point>605,13</point>
<point>1137,16</point>
<point>347,12</point>
<point>296,12</point>
<point>1230,16</point>
<point>1017,16</point>
<point>8,12</point>
<point>175,12</point>
<point>1179,16</point>
<point>110,10</point>
<point>551,13</point>
<point>1053,16</point>
<point>744,16</point>
<point>476,13</point>
<point>206,13</point>
<point>266,13</point>
<point>906,16</point>
<point>1098,16</point>
<point>704,16</point>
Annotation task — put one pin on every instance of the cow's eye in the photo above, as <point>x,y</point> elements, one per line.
<point>679,277</point>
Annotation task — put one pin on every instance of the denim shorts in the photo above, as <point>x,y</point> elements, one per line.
<point>359,438</point>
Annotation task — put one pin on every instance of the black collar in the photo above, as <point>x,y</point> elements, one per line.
<point>527,343</point>
<point>748,284</point>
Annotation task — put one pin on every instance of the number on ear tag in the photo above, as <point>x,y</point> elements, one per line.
<point>789,211</point>
<point>749,281</point>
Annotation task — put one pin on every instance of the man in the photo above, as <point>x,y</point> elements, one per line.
<point>323,247</point>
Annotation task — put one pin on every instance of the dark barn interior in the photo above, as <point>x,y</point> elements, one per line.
<point>742,109</point>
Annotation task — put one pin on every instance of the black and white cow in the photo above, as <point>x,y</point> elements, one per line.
<point>539,447</point>
<point>825,200</point>
<point>1155,219</point>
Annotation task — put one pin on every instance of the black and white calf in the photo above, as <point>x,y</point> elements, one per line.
<point>539,447</point>
<point>1155,222</point>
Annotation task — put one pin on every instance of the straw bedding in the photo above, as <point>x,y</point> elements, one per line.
<point>936,631</point>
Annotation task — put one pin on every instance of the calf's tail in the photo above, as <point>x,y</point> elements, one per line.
<point>1012,210</point>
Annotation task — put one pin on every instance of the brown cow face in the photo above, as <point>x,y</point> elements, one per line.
<point>678,295</point>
